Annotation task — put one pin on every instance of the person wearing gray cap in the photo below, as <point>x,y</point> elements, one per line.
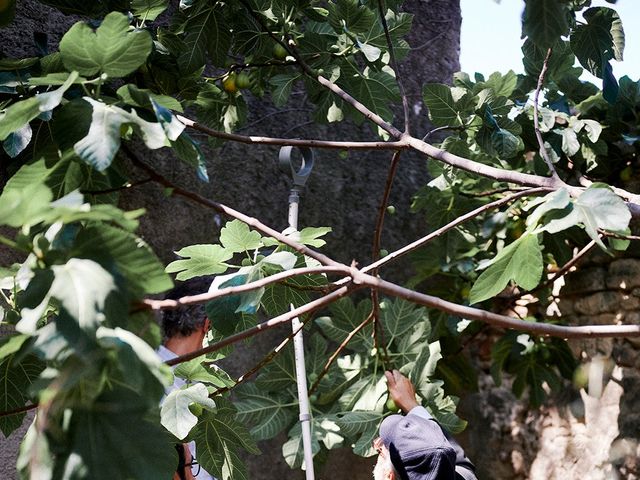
<point>414,446</point>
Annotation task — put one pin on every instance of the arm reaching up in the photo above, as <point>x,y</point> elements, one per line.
<point>401,390</point>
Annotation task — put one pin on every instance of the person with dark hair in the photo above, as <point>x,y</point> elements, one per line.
<point>183,331</point>
<point>414,446</point>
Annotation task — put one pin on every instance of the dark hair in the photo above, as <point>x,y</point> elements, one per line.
<point>185,320</point>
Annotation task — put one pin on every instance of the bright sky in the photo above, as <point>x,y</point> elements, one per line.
<point>491,37</point>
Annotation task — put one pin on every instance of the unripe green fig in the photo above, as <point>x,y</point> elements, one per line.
<point>391,405</point>
<point>243,80</point>
<point>279,51</point>
<point>196,409</point>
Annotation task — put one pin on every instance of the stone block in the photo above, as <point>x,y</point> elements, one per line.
<point>624,274</point>
<point>585,280</point>
<point>606,302</point>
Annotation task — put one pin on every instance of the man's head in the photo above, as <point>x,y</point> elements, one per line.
<point>189,320</point>
<point>413,448</point>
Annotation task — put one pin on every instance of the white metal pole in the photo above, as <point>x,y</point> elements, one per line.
<point>301,373</point>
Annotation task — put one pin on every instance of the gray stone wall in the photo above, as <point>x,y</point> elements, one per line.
<point>591,429</point>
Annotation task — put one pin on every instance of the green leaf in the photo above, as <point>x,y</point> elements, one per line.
<point>557,200</point>
<point>599,40</point>
<point>293,449</point>
<point>116,424</point>
<point>18,114</point>
<point>349,15</point>
<point>102,141</point>
<point>544,22</point>
<point>81,286</point>
<point>17,141</point>
<point>344,319</point>
<point>10,344</point>
<point>24,206</point>
<point>361,427</point>
<point>366,394</point>
<point>505,143</point>
<point>399,316</point>
<point>236,237</point>
<point>175,414</point>
<point>283,84</point>
<point>16,378</point>
<point>195,371</point>
<point>280,373</point>
<point>269,412</point>
<point>597,207</point>
<point>218,437</point>
<point>148,10</point>
<point>113,49</point>
<point>207,31</point>
<point>189,151</point>
<point>311,236</point>
<point>139,97</point>
<point>521,261</point>
<point>450,421</point>
<point>425,366</point>
<point>139,364</point>
<point>132,257</point>
<point>376,90</point>
<point>442,109</point>
<point>570,142</point>
<point>200,260</point>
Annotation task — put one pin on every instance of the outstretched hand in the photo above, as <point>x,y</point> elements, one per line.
<point>401,390</point>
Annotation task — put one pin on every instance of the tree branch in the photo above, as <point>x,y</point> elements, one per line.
<point>378,334</point>
<point>19,410</point>
<point>543,151</point>
<point>436,233</point>
<point>257,140</point>
<point>394,65</point>
<point>265,360</point>
<point>219,207</point>
<point>335,354</point>
<point>250,332</point>
<point>504,321</point>
<point>168,304</point>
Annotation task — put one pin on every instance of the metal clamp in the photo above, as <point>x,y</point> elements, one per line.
<point>301,175</point>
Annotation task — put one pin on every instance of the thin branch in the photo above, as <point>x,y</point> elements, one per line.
<point>168,304</point>
<point>116,189</point>
<point>394,65</point>
<point>436,233</point>
<point>490,193</point>
<point>567,266</point>
<point>378,333</point>
<point>536,122</point>
<point>341,347</point>
<point>258,366</point>
<point>219,207</point>
<point>439,129</point>
<point>604,233</point>
<point>17,411</point>
<point>10,243</point>
<point>250,332</point>
<point>377,234</point>
<point>257,140</point>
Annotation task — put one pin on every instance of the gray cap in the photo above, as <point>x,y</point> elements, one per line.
<point>418,448</point>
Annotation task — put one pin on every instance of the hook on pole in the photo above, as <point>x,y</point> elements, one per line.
<point>287,164</point>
